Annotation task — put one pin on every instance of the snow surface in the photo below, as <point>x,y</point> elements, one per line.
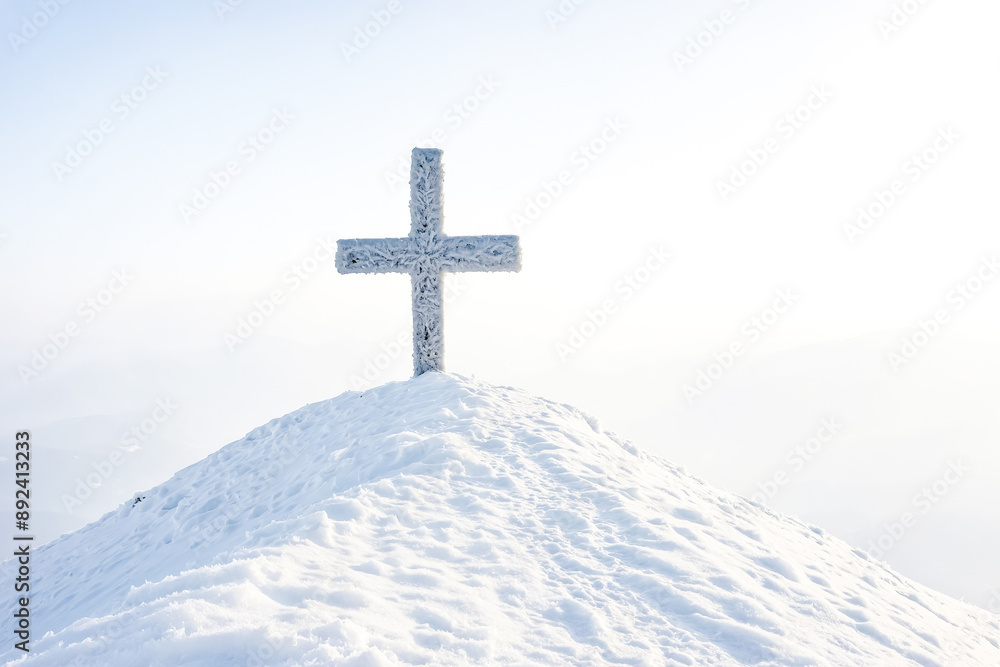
<point>446,521</point>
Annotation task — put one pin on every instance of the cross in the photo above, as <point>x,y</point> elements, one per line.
<point>426,254</point>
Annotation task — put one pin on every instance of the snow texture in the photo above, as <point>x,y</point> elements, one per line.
<point>445,521</point>
<point>425,254</point>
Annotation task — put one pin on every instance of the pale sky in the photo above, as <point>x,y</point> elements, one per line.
<point>604,140</point>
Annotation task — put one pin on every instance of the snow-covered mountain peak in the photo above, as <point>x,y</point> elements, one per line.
<point>444,520</point>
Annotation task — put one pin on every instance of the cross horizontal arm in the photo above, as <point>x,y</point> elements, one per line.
<point>480,253</point>
<point>374,255</point>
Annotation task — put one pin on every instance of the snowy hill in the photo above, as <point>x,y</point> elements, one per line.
<point>446,521</point>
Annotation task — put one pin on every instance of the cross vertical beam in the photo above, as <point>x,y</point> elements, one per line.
<point>426,221</point>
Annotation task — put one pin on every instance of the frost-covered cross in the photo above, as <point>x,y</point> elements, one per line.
<point>426,254</point>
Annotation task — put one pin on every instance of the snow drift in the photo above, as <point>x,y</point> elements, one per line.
<point>446,521</point>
